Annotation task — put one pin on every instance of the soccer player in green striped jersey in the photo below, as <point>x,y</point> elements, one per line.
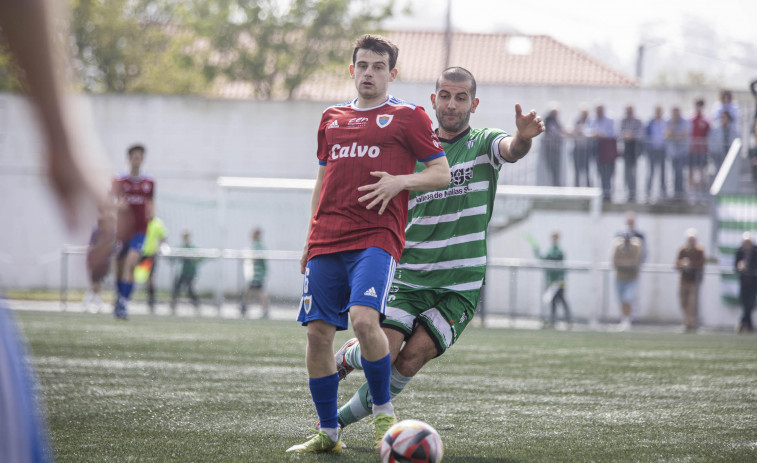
<point>438,281</point>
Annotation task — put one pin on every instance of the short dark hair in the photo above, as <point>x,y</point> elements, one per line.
<point>378,45</point>
<point>458,74</point>
<point>699,103</point>
<point>136,147</point>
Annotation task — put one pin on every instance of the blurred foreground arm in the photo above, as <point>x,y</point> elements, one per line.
<point>70,156</point>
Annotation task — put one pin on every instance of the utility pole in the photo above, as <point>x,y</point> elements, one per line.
<point>639,62</point>
<point>448,35</point>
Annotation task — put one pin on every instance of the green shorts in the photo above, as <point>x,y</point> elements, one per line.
<point>443,313</point>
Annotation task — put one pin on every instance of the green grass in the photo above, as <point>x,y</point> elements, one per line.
<point>212,390</point>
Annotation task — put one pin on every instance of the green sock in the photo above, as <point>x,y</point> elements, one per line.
<point>361,404</point>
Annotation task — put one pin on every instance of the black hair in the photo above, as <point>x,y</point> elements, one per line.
<point>378,45</point>
<point>458,74</point>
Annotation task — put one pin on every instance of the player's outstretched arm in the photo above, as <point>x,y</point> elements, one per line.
<point>435,175</point>
<point>527,126</point>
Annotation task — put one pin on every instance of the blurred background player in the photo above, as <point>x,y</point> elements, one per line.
<point>187,274</point>
<point>433,297</point>
<point>72,168</point>
<point>133,193</point>
<point>555,277</point>
<point>155,244</point>
<point>257,274</point>
<point>103,236</point>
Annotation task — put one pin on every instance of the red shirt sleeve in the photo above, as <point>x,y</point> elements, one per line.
<point>421,137</point>
<point>323,149</point>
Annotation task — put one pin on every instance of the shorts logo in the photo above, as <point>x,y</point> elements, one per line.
<point>370,292</point>
<point>307,302</point>
<point>384,119</point>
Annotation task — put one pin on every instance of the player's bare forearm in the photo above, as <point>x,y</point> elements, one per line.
<point>517,147</point>
<point>313,206</point>
<point>435,175</point>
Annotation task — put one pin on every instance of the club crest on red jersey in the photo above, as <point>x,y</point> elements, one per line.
<point>382,120</point>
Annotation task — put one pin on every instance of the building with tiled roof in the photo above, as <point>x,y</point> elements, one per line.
<point>497,59</point>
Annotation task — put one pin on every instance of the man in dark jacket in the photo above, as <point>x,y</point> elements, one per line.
<point>746,267</point>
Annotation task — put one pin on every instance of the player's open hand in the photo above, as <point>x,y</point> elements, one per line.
<point>382,191</point>
<point>529,125</point>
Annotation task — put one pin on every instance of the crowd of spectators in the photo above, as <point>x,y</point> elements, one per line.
<point>690,149</point>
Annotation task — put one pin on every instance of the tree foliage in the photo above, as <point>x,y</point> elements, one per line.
<point>132,46</point>
<point>194,46</point>
<point>276,47</point>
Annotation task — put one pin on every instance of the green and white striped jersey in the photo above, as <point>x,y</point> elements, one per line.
<point>445,237</point>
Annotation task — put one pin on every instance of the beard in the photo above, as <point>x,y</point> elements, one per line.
<point>453,126</point>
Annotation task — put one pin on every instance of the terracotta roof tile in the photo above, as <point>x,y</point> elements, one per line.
<point>504,59</point>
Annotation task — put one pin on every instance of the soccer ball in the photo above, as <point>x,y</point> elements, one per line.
<point>411,441</point>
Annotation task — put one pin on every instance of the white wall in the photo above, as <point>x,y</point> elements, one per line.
<point>191,141</point>
<point>658,296</point>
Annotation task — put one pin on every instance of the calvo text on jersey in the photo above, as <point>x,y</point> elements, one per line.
<point>354,150</point>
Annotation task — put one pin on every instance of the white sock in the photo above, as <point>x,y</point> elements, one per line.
<point>386,409</point>
<point>333,433</point>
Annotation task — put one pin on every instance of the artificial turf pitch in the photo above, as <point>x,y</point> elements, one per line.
<point>214,390</point>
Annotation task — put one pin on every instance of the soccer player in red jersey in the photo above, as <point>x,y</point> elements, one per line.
<point>133,192</point>
<point>367,150</point>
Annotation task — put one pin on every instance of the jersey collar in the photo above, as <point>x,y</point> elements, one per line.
<point>462,134</point>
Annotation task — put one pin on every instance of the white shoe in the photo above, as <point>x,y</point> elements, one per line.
<point>98,304</point>
<point>624,325</point>
<point>87,300</point>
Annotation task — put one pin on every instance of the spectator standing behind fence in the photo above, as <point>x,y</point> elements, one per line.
<point>655,142</point>
<point>636,233</point>
<point>677,148</point>
<point>581,148</point>
<point>690,262</point>
<point>753,133</point>
<point>626,259</point>
<point>700,128</point>
<point>602,132</point>
<point>551,147</point>
<point>555,277</point>
<point>745,265</point>
<point>632,133</point>
<point>187,274</point>
<point>256,285</point>
<point>726,104</point>
<point>721,137</point>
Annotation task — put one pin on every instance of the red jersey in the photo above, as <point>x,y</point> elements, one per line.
<point>352,142</point>
<point>699,130</point>
<point>136,191</point>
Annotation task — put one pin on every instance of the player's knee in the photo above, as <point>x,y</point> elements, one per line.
<point>365,322</point>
